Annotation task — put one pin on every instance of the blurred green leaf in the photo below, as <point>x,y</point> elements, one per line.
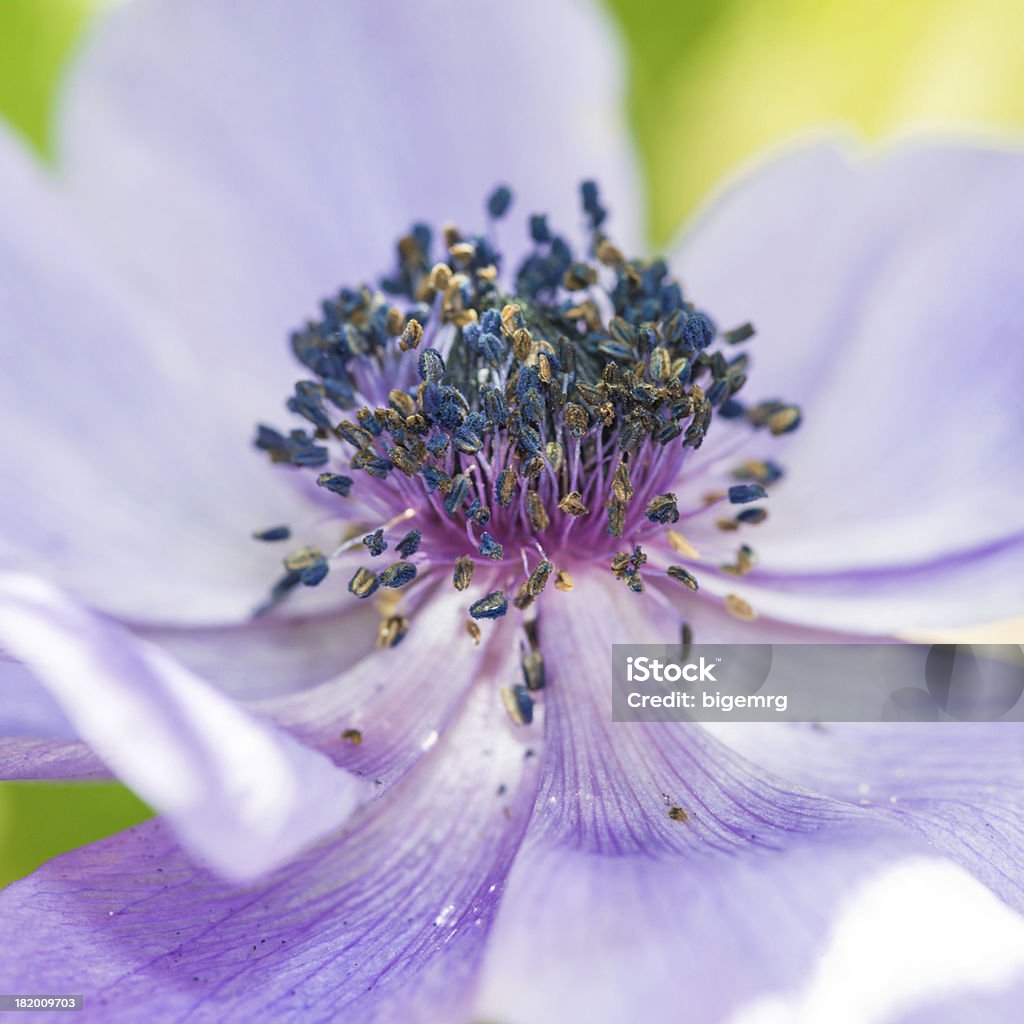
<point>714,82</point>
<point>38,820</point>
<point>36,37</point>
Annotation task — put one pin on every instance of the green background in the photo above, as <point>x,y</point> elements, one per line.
<point>711,82</point>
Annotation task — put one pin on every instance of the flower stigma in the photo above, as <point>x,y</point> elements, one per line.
<point>500,430</point>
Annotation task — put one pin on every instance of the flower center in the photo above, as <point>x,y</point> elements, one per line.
<point>511,426</point>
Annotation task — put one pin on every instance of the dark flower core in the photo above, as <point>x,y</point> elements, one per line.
<point>511,426</point>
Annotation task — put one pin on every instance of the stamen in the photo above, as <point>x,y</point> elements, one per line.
<point>681,545</point>
<point>685,641</point>
<point>663,509</point>
<point>375,542</point>
<point>464,567</point>
<point>742,494</point>
<point>752,516</point>
<point>491,606</point>
<point>392,631</point>
<point>304,558</point>
<point>409,544</point>
<point>518,703</point>
<point>739,608</point>
<point>572,505</point>
<point>500,405</point>
<point>364,583</point>
<point>273,533</point>
<point>745,560</point>
<point>355,541</point>
<point>684,576</point>
<point>490,548</point>
<point>335,483</point>
<point>398,574</point>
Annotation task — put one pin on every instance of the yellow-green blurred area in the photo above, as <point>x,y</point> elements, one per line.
<point>712,82</point>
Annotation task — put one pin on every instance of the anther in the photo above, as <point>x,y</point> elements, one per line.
<point>392,631</point>
<point>409,544</point>
<point>684,576</point>
<point>752,516</point>
<point>375,542</point>
<point>518,703</point>
<point>364,583</point>
<point>662,509</point>
<point>539,518</point>
<point>273,533</point>
<point>739,608</point>
<point>463,576</point>
<point>622,485</point>
<point>539,578</point>
<point>681,545</point>
<point>302,559</point>
<point>398,574</point>
<point>533,670</point>
<point>490,606</point>
<point>572,505</point>
<point>742,494</point>
<point>335,483</point>
<point>490,548</point>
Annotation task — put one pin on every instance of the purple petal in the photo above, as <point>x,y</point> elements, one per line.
<point>27,708</point>
<point>36,739</point>
<point>886,301</point>
<point>23,758</point>
<point>979,586</point>
<point>387,922</point>
<point>381,715</point>
<point>241,796</point>
<point>122,479</point>
<point>276,654</point>
<point>242,160</point>
<point>617,907</point>
<point>960,785</point>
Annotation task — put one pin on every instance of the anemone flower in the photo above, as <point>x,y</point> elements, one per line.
<point>378,735</point>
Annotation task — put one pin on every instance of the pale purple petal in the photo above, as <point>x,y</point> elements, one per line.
<point>27,708</point>
<point>616,910</point>
<point>386,923</point>
<point>122,480</point>
<point>241,796</point>
<point>383,713</point>
<point>241,160</point>
<point>980,586</point>
<point>275,654</point>
<point>885,294</point>
<point>960,785</point>
<point>36,739</point>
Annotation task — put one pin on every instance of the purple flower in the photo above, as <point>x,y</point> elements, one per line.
<point>392,798</point>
